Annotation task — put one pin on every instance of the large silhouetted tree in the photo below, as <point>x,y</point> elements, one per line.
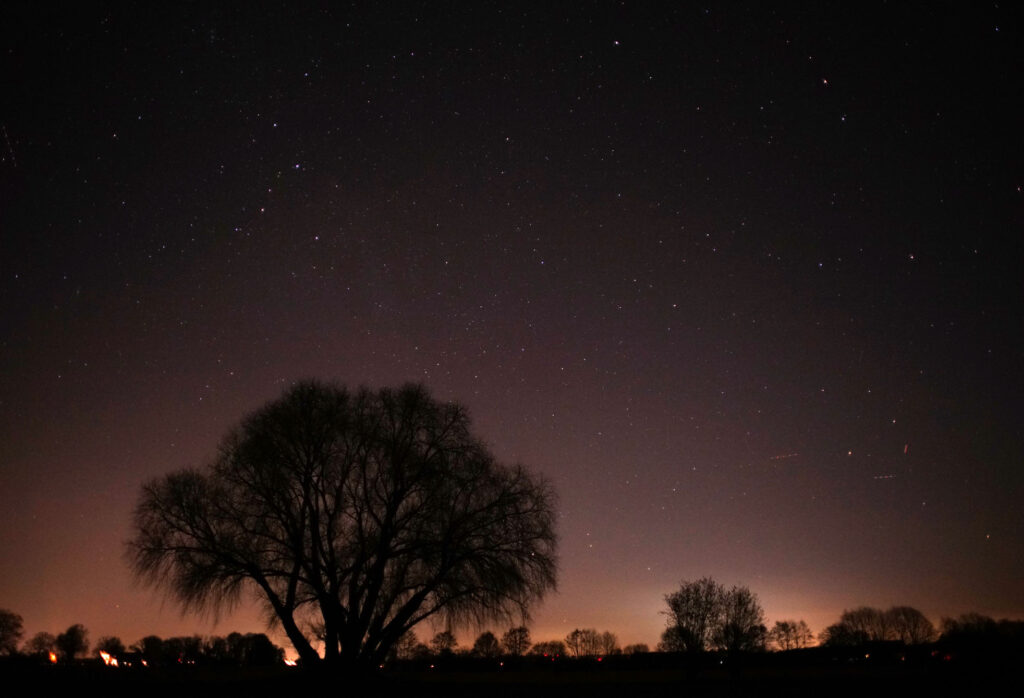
<point>363,512</point>
<point>10,631</point>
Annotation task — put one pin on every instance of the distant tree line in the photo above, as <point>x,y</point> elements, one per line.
<point>236,649</point>
<point>862,625</point>
<point>703,616</point>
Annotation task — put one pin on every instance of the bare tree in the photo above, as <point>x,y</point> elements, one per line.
<point>10,631</point>
<point>151,648</point>
<point>549,648</point>
<point>368,512</point>
<point>841,635</point>
<point>516,641</point>
<point>607,643</point>
<point>868,622</point>
<point>487,645</point>
<point>790,635</point>
<point>40,644</point>
<point>72,642</point>
<point>865,624</point>
<point>583,643</point>
<point>695,615</point>
<point>406,646</point>
<point>970,626</point>
<point>742,626</point>
<point>574,643</point>
<point>704,615</point>
<point>638,648</point>
<point>909,625</point>
<point>110,644</point>
<point>443,642</point>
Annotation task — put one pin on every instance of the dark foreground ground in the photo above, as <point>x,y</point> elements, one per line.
<point>846,679</point>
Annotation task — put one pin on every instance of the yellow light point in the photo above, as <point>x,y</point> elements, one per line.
<point>53,657</point>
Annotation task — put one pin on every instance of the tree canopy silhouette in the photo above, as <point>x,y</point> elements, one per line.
<point>790,635</point>
<point>704,615</point>
<point>865,624</point>
<point>73,642</point>
<point>359,514</point>
<point>10,631</point>
<point>695,612</point>
<point>487,645</point>
<point>516,640</point>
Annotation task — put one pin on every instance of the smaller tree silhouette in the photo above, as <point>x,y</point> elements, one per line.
<point>487,645</point>
<point>72,642</point>
<point>790,635</point>
<point>638,648</point>
<point>608,643</point>
<point>405,647</point>
<point>704,615</point>
<point>549,648</point>
<point>971,627</point>
<point>443,643</point>
<point>254,649</point>
<point>865,624</point>
<point>516,641</point>
<point>909,625</point>
<point>151,648</point>
<point>842,635</point>
<point>868,622</point>
<point>40,645</point>
<point>110,644</point>
<point>742,622</point>
<point>583,642</point>
<point>695,615</point>
<point>10,631</point>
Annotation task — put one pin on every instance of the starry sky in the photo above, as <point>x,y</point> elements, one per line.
<point>744,283</point>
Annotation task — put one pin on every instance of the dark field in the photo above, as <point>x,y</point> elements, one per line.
<point>591,680</point>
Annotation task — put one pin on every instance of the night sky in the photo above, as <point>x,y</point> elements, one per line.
<point>744,283</point>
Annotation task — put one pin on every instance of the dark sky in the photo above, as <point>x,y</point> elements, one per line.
<point>744,283</point>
